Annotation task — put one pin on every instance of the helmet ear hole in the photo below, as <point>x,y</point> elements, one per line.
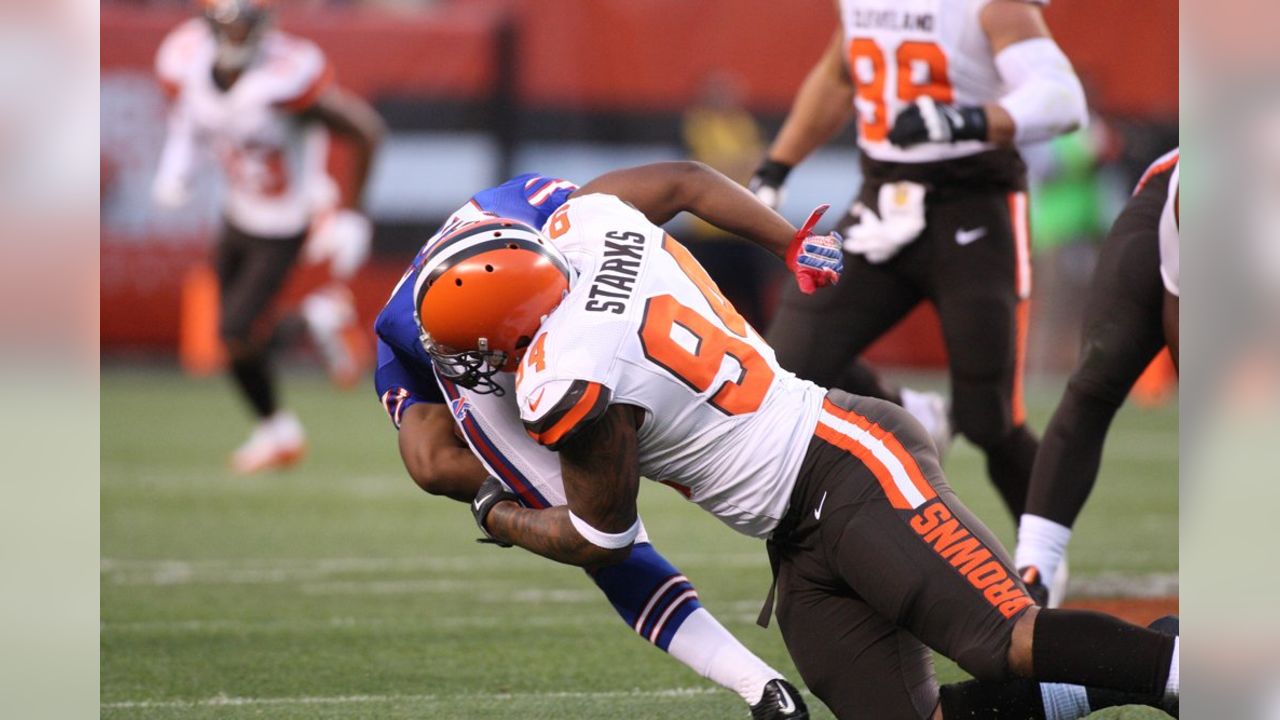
<point>458,282</point>
<point>488,268</point>
<point>523,342</point>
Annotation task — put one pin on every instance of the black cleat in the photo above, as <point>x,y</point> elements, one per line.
<point>780,701</point>
<point>1167,625</point>
<point>1036,588</point>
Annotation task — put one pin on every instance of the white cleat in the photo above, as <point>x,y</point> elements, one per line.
<point>932,411</point>
<point>277,442</point>
<point>330,315</point>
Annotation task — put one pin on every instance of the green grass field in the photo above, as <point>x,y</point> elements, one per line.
<point>339,590</point>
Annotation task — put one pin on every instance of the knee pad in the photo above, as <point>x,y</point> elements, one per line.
<point>984,420</point>
<point>1096,381</point>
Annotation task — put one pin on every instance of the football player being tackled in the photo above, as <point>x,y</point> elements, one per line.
<point>627,361</point>
<point>257,97</point>
<point>1131,315</point>
<point>652,596</point>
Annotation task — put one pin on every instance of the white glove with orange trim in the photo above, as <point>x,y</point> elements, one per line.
<point>342,238</point>
<point>900,221</point>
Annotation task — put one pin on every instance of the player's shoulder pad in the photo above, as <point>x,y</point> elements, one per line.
<point>177,51</point>
<point>295,71</point>
<point>591,223</point>
<point>556,410</point>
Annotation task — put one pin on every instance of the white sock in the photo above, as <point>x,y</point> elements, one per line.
<point>1064,702</point>
<point>703,644</point>
<point>922,408</point>
<point>1171,686</point>
<point>1041,543</point>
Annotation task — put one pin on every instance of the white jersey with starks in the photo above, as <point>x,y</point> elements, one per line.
<point>253,128</point>
<point>900,50</point>
<point>643,325</point>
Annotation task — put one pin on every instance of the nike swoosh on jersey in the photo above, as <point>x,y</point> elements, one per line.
<point>964,237</point>
<point>817,513</point>
<point>534,403</point>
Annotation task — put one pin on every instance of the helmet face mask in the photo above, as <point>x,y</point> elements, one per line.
<point>471,369</point>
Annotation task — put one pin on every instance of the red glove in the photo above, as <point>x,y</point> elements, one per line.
<point>815,260</point>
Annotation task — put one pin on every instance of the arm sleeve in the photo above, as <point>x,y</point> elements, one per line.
<point>399,387</point>
<point>1045,98</point>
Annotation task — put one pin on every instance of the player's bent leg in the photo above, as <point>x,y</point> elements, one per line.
<point>250,272</point>
<point>980,290</point>
<point>898,536</point>
<point>1122,336</point>
<point>982,345</point>
<point>661,605</point>
<point>907,545</point>
<point>857,662</point>
<point>330,315</point>
<point>1097,650</point>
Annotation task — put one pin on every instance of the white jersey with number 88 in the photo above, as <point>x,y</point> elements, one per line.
<point>901,50</point>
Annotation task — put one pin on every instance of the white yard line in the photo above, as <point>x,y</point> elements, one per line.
<point>232,701</point>
<point>166,572</point>
<point>1123,585</point>
<point>233,625</point>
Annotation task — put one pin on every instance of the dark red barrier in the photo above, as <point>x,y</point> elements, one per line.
<point>445,52</point>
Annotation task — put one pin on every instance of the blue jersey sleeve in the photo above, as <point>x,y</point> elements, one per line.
<point>400,386</point>
<point>529,198</point>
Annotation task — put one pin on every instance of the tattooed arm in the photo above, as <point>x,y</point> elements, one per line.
<point>601,474</point>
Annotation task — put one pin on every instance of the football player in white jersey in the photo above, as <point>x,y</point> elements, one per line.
<point>628,361</point>
<point>253,96</point>
<point>942,91</point>
<point>653,597</point>
<point>1131,315</point>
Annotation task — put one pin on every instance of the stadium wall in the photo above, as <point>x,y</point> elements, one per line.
<point>474,91</point>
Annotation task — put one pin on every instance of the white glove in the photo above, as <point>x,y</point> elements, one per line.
<point>900,222</point>
<point>170,192</point>
<point>342,238</point>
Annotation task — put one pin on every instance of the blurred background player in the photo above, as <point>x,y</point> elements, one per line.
<point>942,94</point>
<point>1132,315</point>
<point>255,97</point>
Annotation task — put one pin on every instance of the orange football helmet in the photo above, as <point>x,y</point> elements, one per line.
<point>480,296</point>
<point>238,26</point>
